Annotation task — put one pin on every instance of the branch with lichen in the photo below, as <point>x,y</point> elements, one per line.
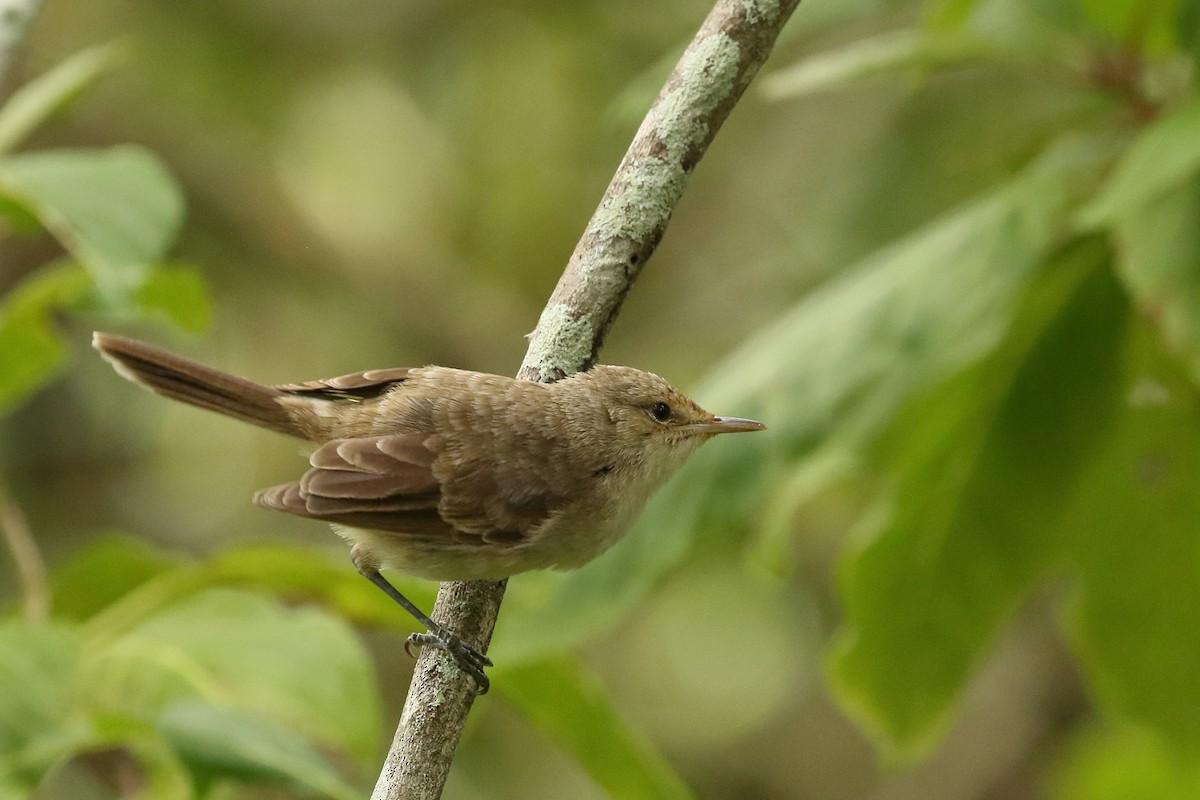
<point>710,77</point>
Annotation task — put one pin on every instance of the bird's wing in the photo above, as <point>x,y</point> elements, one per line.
<point>499,489</point>
<point>378,482</point>
<point>355,386</point>
<point>395,484</point>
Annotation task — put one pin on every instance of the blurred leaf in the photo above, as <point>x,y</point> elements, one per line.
<point>299,666</point>
<point>1141,25</point>
<point>826,378</point>
<point>30,356</point>
<point>987,467</point>
<point>37,685</point>
<point>31,351</point>
<point>1164,156</point>
<point>947,16</point>
<point>1123,764</point>
<point>116,211</point>
<point>30,105</point>
<point>12,790</point>
<point>289,571</point>
<point>211,663</point>
<point>876,55</point>
<point>1187,24</point>
<point>294,571</point>
<point>166,776</point>
<point>1138,511</point>
<point>20,219</point>
<point>177,293</point>
<point>226,742</point>
<point>575,713</point>
<point>1159,247</point>
<point>105,570</point>
<point>118,752</point>
<point>46,725</point>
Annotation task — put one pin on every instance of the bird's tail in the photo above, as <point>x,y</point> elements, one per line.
<point>182,379</point>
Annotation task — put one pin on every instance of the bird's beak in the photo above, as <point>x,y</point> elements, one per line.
<point>726,425</point>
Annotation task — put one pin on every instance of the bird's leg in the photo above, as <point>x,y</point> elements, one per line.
<point>468,659</point>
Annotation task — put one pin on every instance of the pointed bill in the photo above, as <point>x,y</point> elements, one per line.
<point>726,425</point>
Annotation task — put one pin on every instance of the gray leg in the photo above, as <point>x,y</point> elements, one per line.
<point>468,659</point>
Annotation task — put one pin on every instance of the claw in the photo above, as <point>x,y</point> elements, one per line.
<point>467,658</point>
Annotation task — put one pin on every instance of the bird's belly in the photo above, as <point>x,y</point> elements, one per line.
<point>565,541</point>
<point>445,559</point>
<point>570,540</point>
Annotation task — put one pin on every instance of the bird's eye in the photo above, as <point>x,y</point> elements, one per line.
<point>660,411</point>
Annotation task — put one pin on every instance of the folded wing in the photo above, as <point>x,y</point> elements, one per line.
<point>388,484</point>
<point>384,483</point>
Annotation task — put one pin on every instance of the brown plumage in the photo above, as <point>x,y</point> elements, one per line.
<point>454,475</point>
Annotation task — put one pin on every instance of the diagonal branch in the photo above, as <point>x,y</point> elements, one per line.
<point>709,79</point>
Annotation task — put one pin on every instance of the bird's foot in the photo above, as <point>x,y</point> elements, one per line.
<point>468,659</point>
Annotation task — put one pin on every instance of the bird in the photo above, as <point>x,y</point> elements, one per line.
<point>453,475</point>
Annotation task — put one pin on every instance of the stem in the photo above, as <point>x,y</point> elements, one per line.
<point>31,569</point>
<point>707,82</point>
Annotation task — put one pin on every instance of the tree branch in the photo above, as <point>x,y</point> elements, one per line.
<point>709,79</point>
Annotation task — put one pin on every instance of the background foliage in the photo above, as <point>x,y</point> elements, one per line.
<point>947,250</point>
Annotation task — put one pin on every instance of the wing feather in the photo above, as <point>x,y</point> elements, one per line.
<point>383,483</point>
<point>354,386</point>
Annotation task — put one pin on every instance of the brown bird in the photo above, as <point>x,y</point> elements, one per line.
<point>453,475</point>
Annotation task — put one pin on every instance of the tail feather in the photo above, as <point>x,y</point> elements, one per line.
<point>195,384</point>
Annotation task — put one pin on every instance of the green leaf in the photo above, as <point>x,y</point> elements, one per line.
<point>30,105</point>
<point>1159,248</point>
<point>115,748</point>
<point>31,355</point>
<point>230,743</point>
<point>1187,25</point>
<point>1142,25</point>
<point>37,686</point>
<point>177,293</point>
<point>987,468</point>
<point>1123,764</point>
<point>12,790</point>
<point>1138,513</point>
<point>44,715</point>
<point>948,16</point>
<point>826,379</point>
<point>319,575</point>
<point>1165,155</point>
<point>288,571</point>
<point>237,649</point>
<point>31,351</point>
<point>573,711</point>
<point>116,211</point>
<point>21,220</point>
<point>106,569</point>
<point>877,55</point>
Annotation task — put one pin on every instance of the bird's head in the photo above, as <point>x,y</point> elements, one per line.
<point>654,423</point>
